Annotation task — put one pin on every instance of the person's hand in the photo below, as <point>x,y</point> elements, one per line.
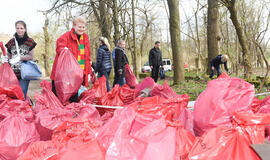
<point>213,68</point>
<point>4,59</point>
<point>151,67</point>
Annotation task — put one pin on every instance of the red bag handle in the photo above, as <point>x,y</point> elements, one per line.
<point>3,48</point>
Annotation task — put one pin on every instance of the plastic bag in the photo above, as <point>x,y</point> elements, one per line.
<point>9,83</point>
<point>131,79</point>
<point>148,82</point>
<point>15,135</point>
<point>222,143</point>
<point>92,95</point>
<point>47,100</point>
<point>252,125</point>
<point>68,76</point>
<point>164,91</point>
<point>255,105</point>
<point>126,94</point>
<point>40,150</point>
<point>47,120</point>
<point>13,106</point>
<point>215,105</point>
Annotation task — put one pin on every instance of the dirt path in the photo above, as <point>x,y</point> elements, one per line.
<point>34,87</point>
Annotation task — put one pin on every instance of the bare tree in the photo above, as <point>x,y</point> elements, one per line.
<point>230,4</point>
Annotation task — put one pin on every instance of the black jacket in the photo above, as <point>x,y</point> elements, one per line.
<point>155,57</point>
<point>217,61</point>
<point>103,59</point>
<point>120,61</point>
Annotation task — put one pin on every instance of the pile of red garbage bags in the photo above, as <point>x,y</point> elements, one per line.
<point>149,121</point>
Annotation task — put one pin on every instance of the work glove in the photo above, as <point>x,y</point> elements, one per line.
<point>4,59</point>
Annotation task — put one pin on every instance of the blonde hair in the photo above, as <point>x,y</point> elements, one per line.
<point>105,41</point>
<point>79,19</point>
<point>224,58</point>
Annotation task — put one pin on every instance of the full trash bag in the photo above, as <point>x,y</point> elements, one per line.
<point>126,94</point>
<point>148,82</point>
<point>251,125</point>
<point>47,99</point>
<point>131,79</point>
<point>40,150</point>
<point>215,105</point>
<point>9,83</point>
<point>14,106</point>
<point>16,134</point>
<point>92,95</point>
<point>68,76</point>
<point>222,143</point>
<point>164,91</point>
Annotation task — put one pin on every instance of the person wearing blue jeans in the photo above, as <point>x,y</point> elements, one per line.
<point>215,65</point>
<point>120,62</point>
<point>103,64</point>
<point>24,85</point>
<point>106,74</point>
<point>20,48</point>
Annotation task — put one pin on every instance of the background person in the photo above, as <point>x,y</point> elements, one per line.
<point>155,60</point>
<point>215,64</point>
<point>103,64</point>
<point>120,61</point>
<point>78,42</point>
<point>25,48</point>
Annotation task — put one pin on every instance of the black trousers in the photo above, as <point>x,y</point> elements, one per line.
<point>155,71</point>
<point>73,98</point>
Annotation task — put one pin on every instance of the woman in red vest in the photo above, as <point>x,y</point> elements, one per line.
<point>78,42</point>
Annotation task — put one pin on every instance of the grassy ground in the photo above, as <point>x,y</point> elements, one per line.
<point>196,83</point>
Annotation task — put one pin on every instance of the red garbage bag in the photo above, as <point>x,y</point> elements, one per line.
<point>49,119</point>
<point>252,125</point>
<point>148,82</point>
<point>131,79</point>
<point>255,105</point>
<point>223,75</point>
<point>164,91</point>
<point>160,139</point>
<point>265,105</point>
<point>92,95</point>
<point>9,83</point>
<point>222,143</point>
<point>215,105</point>
<point>186,117</point>
<point>126,94</point>
<point>16,134</point>
<point>74,127</point>
<point>39,150</point>
<point>169,108</point>
<point>14,106</point>
<point>47,100</point>
<point>68,76</point>
<point>83,149</point>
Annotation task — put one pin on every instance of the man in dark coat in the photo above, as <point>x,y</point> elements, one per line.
<point>120,61</point>
<point>155,60</point>
<point>215,64</point>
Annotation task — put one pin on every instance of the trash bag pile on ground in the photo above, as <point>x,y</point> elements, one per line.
<point>149,121</point>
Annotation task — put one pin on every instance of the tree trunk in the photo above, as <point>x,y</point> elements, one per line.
<point>178,61</point>
<point>241,38</point>
<point>134,49</point>
<point>212,31</point>
<point>47,47</point>
<point>116,24</point>
<point>101,13</point>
